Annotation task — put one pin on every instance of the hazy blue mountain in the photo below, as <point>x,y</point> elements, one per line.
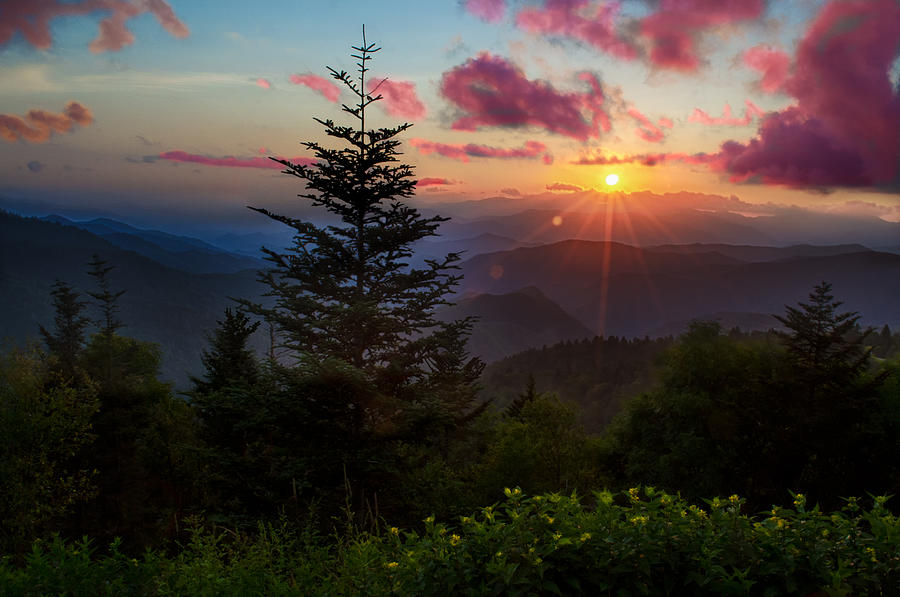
<point>512,322</point>
<point>179,252</point>
<point>161,304</point>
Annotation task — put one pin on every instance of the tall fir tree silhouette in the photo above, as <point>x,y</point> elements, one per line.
<point>345,294</point>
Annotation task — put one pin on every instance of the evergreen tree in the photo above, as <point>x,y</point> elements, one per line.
<point>105,297</point>
<point>66,343</point>
<point>820,340</point>
<point>345,294</point>
<point>228,359</point>
<point>514,410</point>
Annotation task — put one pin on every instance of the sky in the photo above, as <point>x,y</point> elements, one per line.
<point>171,108</point>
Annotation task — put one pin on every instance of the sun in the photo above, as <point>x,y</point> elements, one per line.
<point>612,179</point>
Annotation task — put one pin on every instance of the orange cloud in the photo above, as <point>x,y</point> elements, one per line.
<point>727,119</point>
<point>38,125</point>
<point>32,19</point>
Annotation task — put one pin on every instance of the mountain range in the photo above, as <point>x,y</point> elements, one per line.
<point>524,294</point>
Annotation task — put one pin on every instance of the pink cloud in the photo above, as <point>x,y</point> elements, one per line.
<point>547,159</point>
<point>431,182</point>
<point>230,161</point>
<point>491,11</point>
<point>32,19</point>
<point>399,98</point>
<point>38,125</point>
<point>750,111</point>
<point>563,186</point>
<point>672,29</point>
<point>646,159</point>
<point>646,129</point>
<point>264,83</point>
<point>326,88</point>
<point>569,18</point>
<point>462,152</point>
<point>844,129</point>
<point>773,64</point>
<point>493,92</point>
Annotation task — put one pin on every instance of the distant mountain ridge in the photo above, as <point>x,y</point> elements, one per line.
<point>512,322</point>
<point>616,289</point>
<point>178,252</point>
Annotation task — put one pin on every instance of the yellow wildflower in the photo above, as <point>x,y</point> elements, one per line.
<point>633,494</point>
<point>454,539</point>
<point>395,531</point>
<point>733,498</point>
<point>585,537</point>
<point>429,520</point>
<point>391,565</point>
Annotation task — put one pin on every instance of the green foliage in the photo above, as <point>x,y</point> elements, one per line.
<point>544,448</point>
<point>597,374</point>
<point>639,542</point>
<point>739,416</point>
<point>45,425</point>
<point>143,446</point>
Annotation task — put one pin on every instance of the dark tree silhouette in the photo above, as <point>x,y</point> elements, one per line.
<point>345,294</point>
<point>821,341</point>
<point>229,360</point>
<point>67,341</point>
<point>105,297</point>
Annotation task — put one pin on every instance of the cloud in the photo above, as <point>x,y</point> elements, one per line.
<point>462,152</point>
<point>491,11</point>
<point>35,166</point>
<point>38,125</point>
<point>666,38</point>
<point>646,129</point>
<point>511,192</point>
<point>32,19</point>
<point>774,65</point>
<point>264,83</point>
<point>563,186</point>
<point>672,30</point>
<point>431,182</point>
<point>565,18</point>
<point>147,159</point>
<point>844,129</point>
<point>493,92</point>
<point>647,159</point>
<point>326,88</point>
<point>751,110</point>
<point>230,161</point>
<point>794,150</point>
<point>399,98</point>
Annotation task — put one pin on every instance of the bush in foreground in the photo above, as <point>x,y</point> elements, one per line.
<point>641,542</point>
